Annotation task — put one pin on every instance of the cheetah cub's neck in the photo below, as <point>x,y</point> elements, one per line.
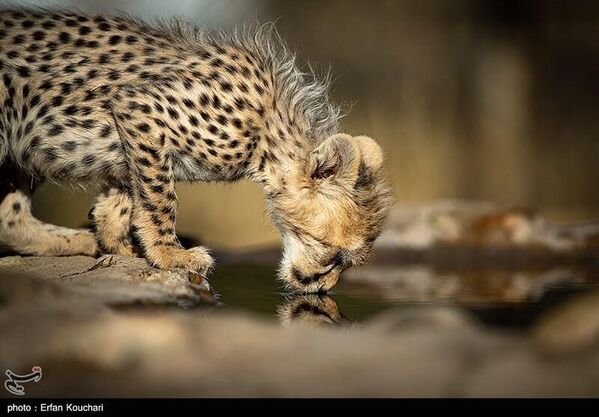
<point>294,117</point>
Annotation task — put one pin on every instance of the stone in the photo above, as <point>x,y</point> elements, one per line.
<point>110,281</point>
<point>571,328</point>
<point>478,224</point>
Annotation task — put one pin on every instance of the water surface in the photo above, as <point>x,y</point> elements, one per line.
<point>513,298</point>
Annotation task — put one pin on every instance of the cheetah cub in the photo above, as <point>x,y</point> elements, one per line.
<point>134,108</point>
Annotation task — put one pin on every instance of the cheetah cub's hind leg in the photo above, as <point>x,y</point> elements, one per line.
<point>111,216</point>
<point>153,190</point>
<point>24,234</point>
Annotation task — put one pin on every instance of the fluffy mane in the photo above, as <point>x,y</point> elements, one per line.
<point>306,94</point>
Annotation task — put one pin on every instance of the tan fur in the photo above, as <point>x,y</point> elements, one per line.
<point>23,233</point>
<point>336,215</point>
<point>111,217</point>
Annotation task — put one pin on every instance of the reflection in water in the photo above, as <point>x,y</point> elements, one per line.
<point>311,309</point>
<point>425,284</point>
<point>513,298</point>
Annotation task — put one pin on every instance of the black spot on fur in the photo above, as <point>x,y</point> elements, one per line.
<point>237,123</point>
<point>143,127</point>
<point>88,123</point>
<point>64,37</point>
<point>226,86</point>
<point>57,101</point>
<point>19,39</point>
<point>65,88</point>
<point>222,120</point>
<point>173,113</point>
<point>114,75</point>
<point>50,155</point>
<point>105,131</point>
<point>55,130</point>
<point>115,40</point>
<point>144,162</point>
<point>23,71</point>
<point>114,146</point>
<point>159,189</point>
<point>88,159</point>
<point>104,59</point>
<point>69,145</point>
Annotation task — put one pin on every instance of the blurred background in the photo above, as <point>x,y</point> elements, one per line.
<point>491,100</point>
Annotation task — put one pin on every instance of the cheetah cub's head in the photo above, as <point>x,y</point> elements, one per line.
<point>330,207</point>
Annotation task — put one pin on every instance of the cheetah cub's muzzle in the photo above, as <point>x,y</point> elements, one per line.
<point>330,207</point>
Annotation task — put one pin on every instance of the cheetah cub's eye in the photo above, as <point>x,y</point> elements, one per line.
<point>321,174</point>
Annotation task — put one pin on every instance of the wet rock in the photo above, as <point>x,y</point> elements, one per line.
<point>115,281</point>
<point>483,225</point>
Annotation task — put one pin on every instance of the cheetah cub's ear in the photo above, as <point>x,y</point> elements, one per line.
<point>337,157</point>
<point>371,152</point>
<point>340,156</point>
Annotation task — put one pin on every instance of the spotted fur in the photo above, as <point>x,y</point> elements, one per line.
<point>134,108</point>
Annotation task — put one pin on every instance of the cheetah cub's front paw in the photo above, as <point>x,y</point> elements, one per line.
<point>196,259</point>
<point>84,243</point>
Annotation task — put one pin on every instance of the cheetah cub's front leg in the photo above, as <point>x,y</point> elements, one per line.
<point>154,198</point>
<point>111,216</point>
